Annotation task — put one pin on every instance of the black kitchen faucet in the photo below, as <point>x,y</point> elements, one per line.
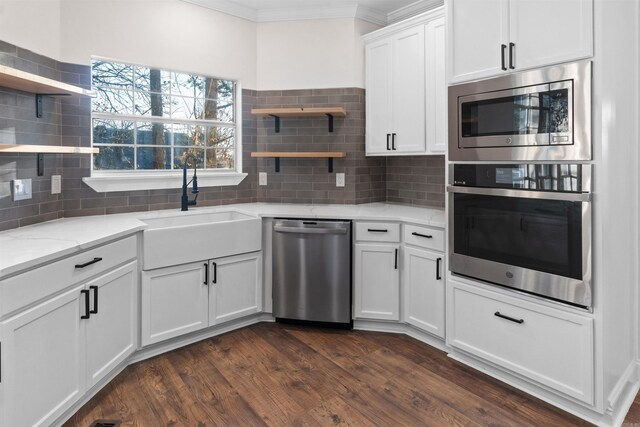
<point>185,198</point>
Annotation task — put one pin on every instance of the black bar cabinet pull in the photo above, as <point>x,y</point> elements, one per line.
<point>426,236</point>
<point>512,55</point>
<point>95,299</point>
<point>206,273</point>
<point>438,261</point>
<point>393,141</point>
<point>502,316</point>
<point>396,261</point>
<point>388,136</point>
<point>215,273</point>
<point>86,304</point>
<point>503,52</point>
<point>88,263</point>
<point>377,230</point>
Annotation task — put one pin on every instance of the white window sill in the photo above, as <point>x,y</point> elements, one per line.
<point>104,183</point>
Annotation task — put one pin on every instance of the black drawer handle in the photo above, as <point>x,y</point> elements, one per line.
<point>86,304</point>
<point>88,263</point>
<point>438,261</point>
<point>95,299</point>
<point>393,141</point>
<point>388,148</point>
<point>377,230</point>
<point>215,273</point>
<point>426,236</point>
<point>502,316</point>
<point>206,273</point>
<point>396,260</point>
<point>503,52</point>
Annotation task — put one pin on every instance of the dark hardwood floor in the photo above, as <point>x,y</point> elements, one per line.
<point>281,375</point>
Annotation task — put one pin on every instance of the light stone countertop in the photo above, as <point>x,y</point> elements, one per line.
<point>27,247</point>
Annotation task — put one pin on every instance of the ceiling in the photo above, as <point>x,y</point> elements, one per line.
<point>380,12</point>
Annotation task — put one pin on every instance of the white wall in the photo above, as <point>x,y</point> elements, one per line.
<point>162,33</point>
<point>32,24</point>
<point>324,53</point>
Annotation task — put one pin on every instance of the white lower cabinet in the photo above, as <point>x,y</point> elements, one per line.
<point>185,298</point>
<point>174,301</point>
<point>53,352</point>
<point>424,290</point>
<point>376,282</point>
<point>552,347</point>
<point>43,361</point>
<point>236,287</point>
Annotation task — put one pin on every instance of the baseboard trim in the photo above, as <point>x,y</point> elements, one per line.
<point>629,376</point>
<point>624,393</point>
<point>401,328</point>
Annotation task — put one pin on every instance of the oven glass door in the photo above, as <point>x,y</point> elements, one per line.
<point>528,116</point>
<point>534,234</point>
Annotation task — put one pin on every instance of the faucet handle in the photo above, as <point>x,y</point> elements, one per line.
<point>194,188</point>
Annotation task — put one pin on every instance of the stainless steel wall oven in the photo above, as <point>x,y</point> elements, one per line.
<point>524,226</point>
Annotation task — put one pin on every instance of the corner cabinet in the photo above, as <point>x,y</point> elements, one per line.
<point>516,35</point>
<point>405,87</point>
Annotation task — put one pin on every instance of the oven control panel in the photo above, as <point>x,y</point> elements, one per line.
<point>559,177</point>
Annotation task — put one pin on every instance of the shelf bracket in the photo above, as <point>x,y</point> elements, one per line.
<point>40,162</point>
<point>277,164</point>
<point>330,161</point>
<point>330,119</point>
<point>277,122</point>
<point>39,97</point>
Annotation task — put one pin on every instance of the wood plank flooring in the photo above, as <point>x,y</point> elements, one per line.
<point>281,375</point>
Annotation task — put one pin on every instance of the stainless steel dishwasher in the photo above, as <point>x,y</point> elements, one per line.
<point>312,271</point>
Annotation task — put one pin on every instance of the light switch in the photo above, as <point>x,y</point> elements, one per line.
<point>56,184</point>
<point>340,180</point>
<point>262,178</point>
<point>21,189</point>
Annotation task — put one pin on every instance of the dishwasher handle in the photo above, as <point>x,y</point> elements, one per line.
<point>302,230</point>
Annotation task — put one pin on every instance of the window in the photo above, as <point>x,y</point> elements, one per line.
<point>148,120</point>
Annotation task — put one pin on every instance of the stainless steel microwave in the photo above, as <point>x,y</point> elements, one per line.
<point>543,114</point>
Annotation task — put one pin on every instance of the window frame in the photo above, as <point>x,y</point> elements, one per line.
<point>152,179</point>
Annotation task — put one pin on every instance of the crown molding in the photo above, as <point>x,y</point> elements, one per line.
<point>412,10</point>
<point>348,9</point>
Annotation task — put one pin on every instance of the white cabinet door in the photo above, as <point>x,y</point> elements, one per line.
<point>376,282</point>
<point>111,329</point>
<point>424,290</point>
<point>175,301</point>
<point>43,361</point>
<point>546,32</point>
<point>436,87</point>
<point>408,92</point>
<point>478,29</point>
<point>378,97</point>
<point>236,287</point>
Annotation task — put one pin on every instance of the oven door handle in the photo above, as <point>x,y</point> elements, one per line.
<point>526,194</point>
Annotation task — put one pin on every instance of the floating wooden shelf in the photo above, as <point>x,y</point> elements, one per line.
<point>40,150</point>
<point>329,155</point>
<point>40,86</point>
<point>276,113</point>
<point>56,149</point>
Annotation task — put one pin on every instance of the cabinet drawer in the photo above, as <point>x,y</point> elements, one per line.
<point>31,286</point>
<point>424,237</point>
<point>552,347</point>
<point>378,231</point>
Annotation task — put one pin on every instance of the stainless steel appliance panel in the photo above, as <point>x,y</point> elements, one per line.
<point>312,270</point>
<point>513,109</point>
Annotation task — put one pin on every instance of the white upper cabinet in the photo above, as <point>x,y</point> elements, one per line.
<point>406,83</point>
<point>491,37</point>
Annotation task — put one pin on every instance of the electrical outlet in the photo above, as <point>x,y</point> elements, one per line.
<point>21,189</point>
<point>262,178</point>
<point>56,184</point>
<point>340,180</point>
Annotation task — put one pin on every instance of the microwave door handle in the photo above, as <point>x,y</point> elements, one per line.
<point>524,194</point>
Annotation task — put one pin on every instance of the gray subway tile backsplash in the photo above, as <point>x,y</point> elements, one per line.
<point>67,121</point>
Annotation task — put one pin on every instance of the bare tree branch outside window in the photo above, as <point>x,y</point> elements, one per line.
<point>151,119</point>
